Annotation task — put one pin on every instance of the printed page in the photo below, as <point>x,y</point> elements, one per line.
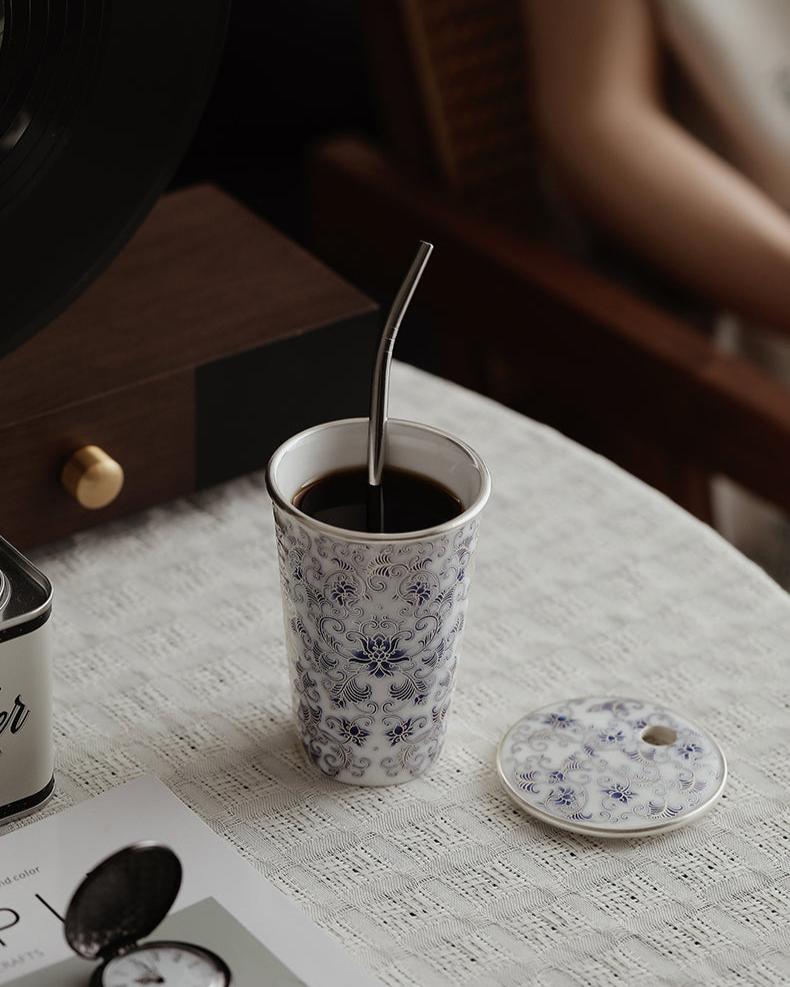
<point>223,905</point>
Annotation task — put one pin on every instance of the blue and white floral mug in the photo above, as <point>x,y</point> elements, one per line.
<point>373,622</point>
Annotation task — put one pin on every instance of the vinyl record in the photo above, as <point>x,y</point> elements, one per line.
<point>98,100</point>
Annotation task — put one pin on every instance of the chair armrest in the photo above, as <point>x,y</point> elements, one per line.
<point>614,354</point>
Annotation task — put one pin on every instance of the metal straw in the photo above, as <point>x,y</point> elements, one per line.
<point>379,391</point>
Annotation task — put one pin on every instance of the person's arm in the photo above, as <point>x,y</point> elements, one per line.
<point>600,115</point>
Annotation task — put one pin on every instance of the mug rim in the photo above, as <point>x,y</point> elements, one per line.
<point>350,534</point>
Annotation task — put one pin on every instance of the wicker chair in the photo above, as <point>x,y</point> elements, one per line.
<point>517,318</point>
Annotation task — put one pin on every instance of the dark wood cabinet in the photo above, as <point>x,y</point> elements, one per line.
<point>209,340</point>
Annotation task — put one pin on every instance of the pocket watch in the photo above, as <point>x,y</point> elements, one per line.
<point>120,902</point>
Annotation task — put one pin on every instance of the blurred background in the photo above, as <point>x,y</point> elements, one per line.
<point>291,74</point>
<point>606,187</point>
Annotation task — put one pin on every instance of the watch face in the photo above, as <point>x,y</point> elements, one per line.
<point>171,964</point>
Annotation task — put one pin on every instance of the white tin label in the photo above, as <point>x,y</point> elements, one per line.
<point>26,749</point>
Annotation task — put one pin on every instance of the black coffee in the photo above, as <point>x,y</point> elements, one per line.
<point>407,501</point>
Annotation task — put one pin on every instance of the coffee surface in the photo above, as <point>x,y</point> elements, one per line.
<point>408,501</point>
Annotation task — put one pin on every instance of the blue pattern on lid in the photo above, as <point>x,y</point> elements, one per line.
<point>585,765</point>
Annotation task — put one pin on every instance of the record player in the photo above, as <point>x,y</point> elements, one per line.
<point>148,346</point>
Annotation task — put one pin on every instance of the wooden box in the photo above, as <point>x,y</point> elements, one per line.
<point>209,340</point>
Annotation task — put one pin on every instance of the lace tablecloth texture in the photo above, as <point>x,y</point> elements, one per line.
<point>169,659</point>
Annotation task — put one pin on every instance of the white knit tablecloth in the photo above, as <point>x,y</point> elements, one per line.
<point>169,659</point>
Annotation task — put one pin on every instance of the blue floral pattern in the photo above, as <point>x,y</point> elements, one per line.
<point>380,655</point>
<point>585,765</point>
<point>372,633</point>
<point>558,721</point>
<point>620,791</point>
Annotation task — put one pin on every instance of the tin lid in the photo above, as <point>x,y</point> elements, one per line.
<point>607,766</point>
<point>25,592</point>
<point>122,900</point>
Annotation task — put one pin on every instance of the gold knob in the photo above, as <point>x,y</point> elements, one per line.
<point>92,477</point>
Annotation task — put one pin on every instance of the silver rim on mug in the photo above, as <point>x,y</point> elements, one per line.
<point>374,536</point>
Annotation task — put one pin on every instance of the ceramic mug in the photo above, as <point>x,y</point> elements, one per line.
<point>373,622</point>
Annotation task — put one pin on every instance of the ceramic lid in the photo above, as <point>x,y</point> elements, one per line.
<point>122,900</point>
<point>608,766</point>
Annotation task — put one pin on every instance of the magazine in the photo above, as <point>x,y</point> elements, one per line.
<point>225,917</point>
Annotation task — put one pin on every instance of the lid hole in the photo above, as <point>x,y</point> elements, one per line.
<point>659,736</point>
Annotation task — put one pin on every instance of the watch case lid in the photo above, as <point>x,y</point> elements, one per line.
<point>122,900</point>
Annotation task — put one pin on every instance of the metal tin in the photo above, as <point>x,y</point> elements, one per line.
<point>26,748</point>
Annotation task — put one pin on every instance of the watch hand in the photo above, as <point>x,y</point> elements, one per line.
<point>146,968</point>
<point>149,974</point>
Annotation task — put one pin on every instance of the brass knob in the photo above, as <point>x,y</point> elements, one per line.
<point>92,477</point>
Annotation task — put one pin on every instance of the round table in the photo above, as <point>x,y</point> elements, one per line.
<point>169,659</point>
